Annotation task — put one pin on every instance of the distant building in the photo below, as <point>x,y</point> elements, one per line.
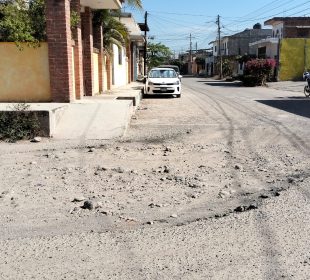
<point>289,44</point>
<point>233,46</point>
<point>282,28</point>
<point>238,44</point>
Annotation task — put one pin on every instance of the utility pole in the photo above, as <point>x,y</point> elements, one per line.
<point>190,48</point>
<point>145,43</point>
<point>219,45</point>
<point>190,53</point>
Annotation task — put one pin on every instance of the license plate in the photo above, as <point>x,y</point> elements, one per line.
<point>163,89</point>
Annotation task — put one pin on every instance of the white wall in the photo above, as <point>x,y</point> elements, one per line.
<point>277,30</point>
<point>119,70</point>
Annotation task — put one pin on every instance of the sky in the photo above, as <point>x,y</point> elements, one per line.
<point>172,21</point>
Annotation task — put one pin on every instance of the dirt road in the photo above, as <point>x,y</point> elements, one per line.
<point>214,185</point>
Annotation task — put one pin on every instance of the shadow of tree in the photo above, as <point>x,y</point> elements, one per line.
<point>158,96</point>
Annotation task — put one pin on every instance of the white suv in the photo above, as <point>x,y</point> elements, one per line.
<point>162,81</point>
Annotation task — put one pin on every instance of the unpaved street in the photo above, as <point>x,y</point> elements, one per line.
<point>213,185</point>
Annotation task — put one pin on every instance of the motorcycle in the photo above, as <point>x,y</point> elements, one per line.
<point>306,76</point>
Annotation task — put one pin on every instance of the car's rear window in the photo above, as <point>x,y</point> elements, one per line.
<point>174,67</point>
<point>163,74</point>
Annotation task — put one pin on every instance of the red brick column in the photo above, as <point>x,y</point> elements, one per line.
<point>78,53</point>
<point>87,35</point>
<point>109,73</point>
<point>59,49</point>
<point>98,43</point>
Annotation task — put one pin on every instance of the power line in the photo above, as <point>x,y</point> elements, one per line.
<point>177,14</point>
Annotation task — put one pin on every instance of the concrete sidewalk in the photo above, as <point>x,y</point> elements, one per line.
<point>104,116</point>
<point>98,117</point>
<point>294,86</point>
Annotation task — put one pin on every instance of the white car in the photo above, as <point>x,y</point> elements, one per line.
<point>162,81</point>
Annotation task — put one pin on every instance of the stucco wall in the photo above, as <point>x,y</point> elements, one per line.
<point>119,70</point>
<point>294,58</point>
<point>24,75</point>
<point>96,73</point>
<point>271,49</point>
<point>105,74</point>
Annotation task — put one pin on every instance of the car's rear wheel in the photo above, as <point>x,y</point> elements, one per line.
<point>143,93</point>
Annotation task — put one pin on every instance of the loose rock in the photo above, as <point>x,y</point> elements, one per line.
<point>119,170</point>
<point>88,205</point>
<point>290,180</point>
<point>36,140</point>
<point>78,199</point>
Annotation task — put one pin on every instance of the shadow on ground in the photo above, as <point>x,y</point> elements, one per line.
<point>222,83</point>
<point>297,106</point>
<point>302,97</point>
<point>159,96</point>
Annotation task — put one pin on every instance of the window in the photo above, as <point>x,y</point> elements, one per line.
<point>302,32</point>
<point>163,74</point>
<point>120,55</point>
<point>262,52</point>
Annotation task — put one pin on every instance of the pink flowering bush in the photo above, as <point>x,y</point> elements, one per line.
<point>258,71</point>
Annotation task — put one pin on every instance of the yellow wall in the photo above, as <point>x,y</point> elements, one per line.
<point>294,58</point>
<point>105,75</point>
<point>96,73</point>
<point>73,74</point>
<point>24,75</point>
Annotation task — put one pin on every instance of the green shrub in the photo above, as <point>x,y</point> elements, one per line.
<point>259,70</point>
<point>250,80</point>
<point>18,124</point>
<point>227,68</point>
<point>22,21</point>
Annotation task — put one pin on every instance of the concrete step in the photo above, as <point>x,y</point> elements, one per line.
<point>49,114</point>
<point>104,119</point>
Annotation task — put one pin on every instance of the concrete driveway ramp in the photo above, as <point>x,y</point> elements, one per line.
<point>95,121</point>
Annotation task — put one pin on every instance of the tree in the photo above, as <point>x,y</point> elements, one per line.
<point>114,32</point>
<point>158,54</point>
<point>22,21</point>
<point>135,3</point>
<point>258,71</point>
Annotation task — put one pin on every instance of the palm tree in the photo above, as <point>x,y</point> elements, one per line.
<point>114,32</point>
<point>134,3</point>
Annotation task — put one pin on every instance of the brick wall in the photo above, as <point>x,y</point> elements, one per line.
<point>109,73</point>
<point>291,31</point>
<point>87,37</point>
<point>78,53</point>
<point>60,50</point>
<point>98,43</point>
